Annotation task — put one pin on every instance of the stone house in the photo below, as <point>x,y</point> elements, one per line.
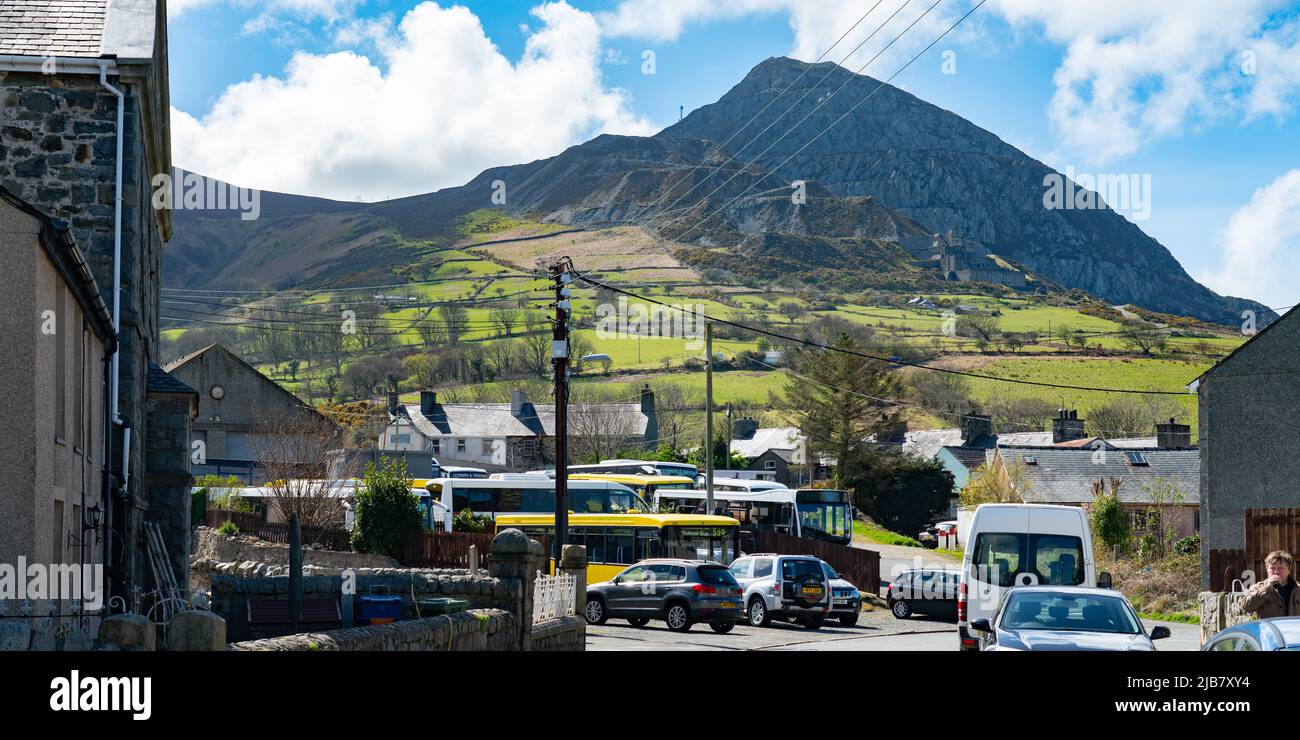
<point>84,130</point>
<point>55,366</point>
<point>516,436</point>
<point>238,408</point>
<point>1248,404</point>
<point>780,451</point>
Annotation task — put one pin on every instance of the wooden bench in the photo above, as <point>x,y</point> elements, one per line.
<point>270,617</point>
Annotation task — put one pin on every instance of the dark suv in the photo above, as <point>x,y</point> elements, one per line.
<point>680,592</point>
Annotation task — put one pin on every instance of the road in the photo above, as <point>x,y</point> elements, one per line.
<point>894,559</point>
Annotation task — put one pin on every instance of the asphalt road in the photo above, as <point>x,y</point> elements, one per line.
<point>875,631</point>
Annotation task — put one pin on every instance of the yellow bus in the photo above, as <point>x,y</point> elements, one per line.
<point>644,485</point>
<point>615,541</point>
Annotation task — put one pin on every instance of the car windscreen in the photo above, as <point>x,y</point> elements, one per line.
<point>716,576</point>
<point>1047,611</point>
<point>793,570</point>
<point>1001,558</point>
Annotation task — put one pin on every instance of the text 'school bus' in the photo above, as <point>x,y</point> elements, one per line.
<point>529,494</point>
<point>644,485</point>
<point>615,541</point>
<point>821,514</point>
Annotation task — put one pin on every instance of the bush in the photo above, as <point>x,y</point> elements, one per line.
<point>386,512</point>
<point>228,529</point>
<point>1188,545</point>
<point>467,521</point>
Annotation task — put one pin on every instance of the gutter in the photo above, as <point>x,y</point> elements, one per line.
<point>117,235</point>
<point>62,65</point>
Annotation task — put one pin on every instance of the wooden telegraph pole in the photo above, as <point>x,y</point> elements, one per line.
<point>561,274</point>
<point>708,418</point>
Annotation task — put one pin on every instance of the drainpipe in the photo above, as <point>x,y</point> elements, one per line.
<point>117,240</point>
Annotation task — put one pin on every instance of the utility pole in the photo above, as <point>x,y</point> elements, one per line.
<point>560,272</point>
<point>708,418</point>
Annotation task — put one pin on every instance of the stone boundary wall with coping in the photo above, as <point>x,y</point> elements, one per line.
<point>474,630</point>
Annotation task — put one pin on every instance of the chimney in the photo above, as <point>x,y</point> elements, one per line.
<point>393,403</point>
<point>894,431</point>
<point>1173,436</point>
<point>518,400</point>
<point>428,400</point>
<point>647,401</point>
<point>743,428</point>
<point>975,427</point>
<point>1066,427</point>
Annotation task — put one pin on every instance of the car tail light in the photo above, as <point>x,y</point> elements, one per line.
<point>961,602</point>
<point>700,588</point>
<point>776,587</point>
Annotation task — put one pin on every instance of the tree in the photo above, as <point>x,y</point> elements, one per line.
<point>839,401</point>
<point>946,393</point>
<point>992,484</point>
<point>505,318</point>
<point>901,492</point>
<point>290,449</point>
<point>455,321</point>
<point>1109,520</point>
<point>1142,337</point>
<point>791,310</point>
<point>535,354</point>
<point>386,512</point>
<point>1131,417</point>
<point>978,326</point>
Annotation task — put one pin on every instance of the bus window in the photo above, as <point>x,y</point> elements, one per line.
<point>539,500</point>
<point>477,500</point>
<point>510,501</point>
<point>619,542</point>
<point>647,544</point>
<point>595,542</point>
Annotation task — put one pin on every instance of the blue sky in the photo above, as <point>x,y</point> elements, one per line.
<point>1205,104</point>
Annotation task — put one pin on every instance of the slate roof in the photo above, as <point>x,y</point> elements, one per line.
<point>927,442</point>
<point>970,457</point>
<point>73,28</point>
<point>495,420</point>
<point>1064,475</point>
<point>161,381</point>
<point>770,438</point>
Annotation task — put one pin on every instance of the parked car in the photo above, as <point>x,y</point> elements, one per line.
<point>931,592</point>
<point>1043,618</point>
<point>679,592</point>
<point>1021,545</point>
<point>1278,633</point>
<point>789,588</point>
<point>846,599</point>
<point>929,537</point>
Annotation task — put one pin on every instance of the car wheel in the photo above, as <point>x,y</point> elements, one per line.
<point>814,624</point>
<point>595,612</point>
<point>678,617</point>
<point>638,621</point>
<point>722,628</point>
<point>901,609</point>
<point>758,615</point>
<point>848,620</point>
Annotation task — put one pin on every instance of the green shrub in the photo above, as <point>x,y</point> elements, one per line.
<point>467,521</point>
<point>1188,545</point>
<point>386,512</point>
<point>228,529</point>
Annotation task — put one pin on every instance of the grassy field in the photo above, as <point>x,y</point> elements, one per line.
<point>881,536</point>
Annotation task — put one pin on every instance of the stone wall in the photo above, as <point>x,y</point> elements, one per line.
<point>565,633</point>
<point>1220,611</point>
<point>208,545</point>
<point>477,629</point>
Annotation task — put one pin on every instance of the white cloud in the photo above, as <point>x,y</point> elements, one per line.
<point>444,105</point>
<point>1261,245</point>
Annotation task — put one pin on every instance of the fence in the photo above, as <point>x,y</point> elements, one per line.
<point>425,549</point>
<point>1264,530</point>
<point>253,524</point>
<point>554,597</point>
<point>857,566</point>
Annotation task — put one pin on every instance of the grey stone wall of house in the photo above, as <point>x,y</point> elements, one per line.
<point>473,630</point>
<point>1248,410</point>
<point>57,152</point>
<point>167,478</point>
<point>782,468</point>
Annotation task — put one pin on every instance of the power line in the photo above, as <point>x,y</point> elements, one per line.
<point>800,150</point>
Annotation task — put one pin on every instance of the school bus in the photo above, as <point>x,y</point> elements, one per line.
<point>615,541</point>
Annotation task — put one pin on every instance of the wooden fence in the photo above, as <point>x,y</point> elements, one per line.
<point>1264,530</point>
<point>425,549</point>
<point>253,524</point>
<point>858,566</point>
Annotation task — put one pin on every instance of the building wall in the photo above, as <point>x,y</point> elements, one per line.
<point>52,471</point>
<point>57,152</point>
<point>1248,407</point>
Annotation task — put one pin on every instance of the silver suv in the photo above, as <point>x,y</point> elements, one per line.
<point>791,588</point>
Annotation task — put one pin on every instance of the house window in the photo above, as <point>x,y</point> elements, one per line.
<point>435,446</point>
<point>460,445</point>
<point>487,447</point>
<point>530,447</point>
<point>769,464</point>
<point>401,439</point>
